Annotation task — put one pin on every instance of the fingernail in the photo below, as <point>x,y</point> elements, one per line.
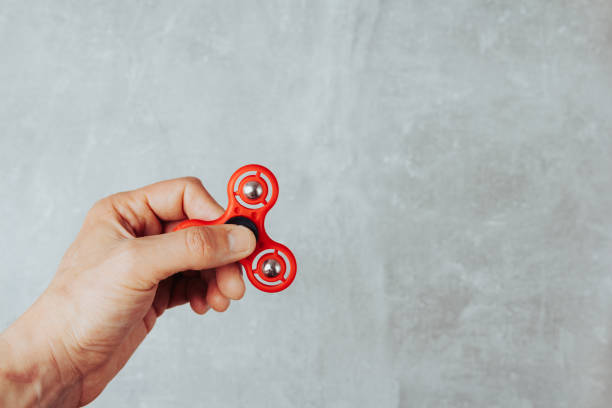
<point>240,239</point>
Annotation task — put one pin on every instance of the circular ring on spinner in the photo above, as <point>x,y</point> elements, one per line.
<point>286,260</point>
<point>256,173</point>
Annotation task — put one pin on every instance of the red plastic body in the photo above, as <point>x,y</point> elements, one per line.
<point>240,205</point>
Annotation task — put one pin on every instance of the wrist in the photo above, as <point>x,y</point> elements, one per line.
<point>33,368</point>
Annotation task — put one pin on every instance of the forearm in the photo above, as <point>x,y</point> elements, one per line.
<point>30,373</point>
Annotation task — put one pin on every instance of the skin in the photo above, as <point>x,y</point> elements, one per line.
<point>122,272</point>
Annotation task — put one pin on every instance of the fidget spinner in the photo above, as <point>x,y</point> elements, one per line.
<point>252,191</point>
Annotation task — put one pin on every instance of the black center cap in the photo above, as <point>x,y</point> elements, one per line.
<point>245,222</point>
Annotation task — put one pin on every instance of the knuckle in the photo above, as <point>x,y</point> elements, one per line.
<point>200,241</point>
<point>192,181</point>
<point>107,204</point>
<point>101,205</point>
<point>118,198</point>
<point>100,208</point>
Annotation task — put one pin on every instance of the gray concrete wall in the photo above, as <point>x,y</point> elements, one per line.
<point>445,174</point>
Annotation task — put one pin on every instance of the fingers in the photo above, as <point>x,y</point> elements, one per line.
<point>215,298</point>
<point>196,293</point>
<point>149,260</point>
<point>230,282</point>
<point>162,296</point>
<point>146,208</point>
<point>181,198</point>
<point>178,293</point>
<point>202,290</point>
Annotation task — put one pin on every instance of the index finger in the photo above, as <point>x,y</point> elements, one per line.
<point>181,198</point>
<point>172,200</point>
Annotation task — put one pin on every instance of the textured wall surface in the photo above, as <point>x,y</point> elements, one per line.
<point>445,174</point>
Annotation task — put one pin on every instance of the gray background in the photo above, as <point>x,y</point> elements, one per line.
<point>446,185</point>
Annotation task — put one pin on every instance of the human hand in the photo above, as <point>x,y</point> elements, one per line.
<point>115,280</point>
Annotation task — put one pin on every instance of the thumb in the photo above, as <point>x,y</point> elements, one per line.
<point>158,257</point>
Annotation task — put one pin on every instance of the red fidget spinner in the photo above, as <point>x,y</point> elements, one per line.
<point>252,191</point>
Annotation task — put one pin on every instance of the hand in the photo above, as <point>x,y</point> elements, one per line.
<point>115,280</point>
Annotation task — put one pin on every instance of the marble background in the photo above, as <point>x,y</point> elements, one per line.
<point>446,185</point>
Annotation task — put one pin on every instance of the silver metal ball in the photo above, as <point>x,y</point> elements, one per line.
<point>252,190</point>
<point>271,268</point>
